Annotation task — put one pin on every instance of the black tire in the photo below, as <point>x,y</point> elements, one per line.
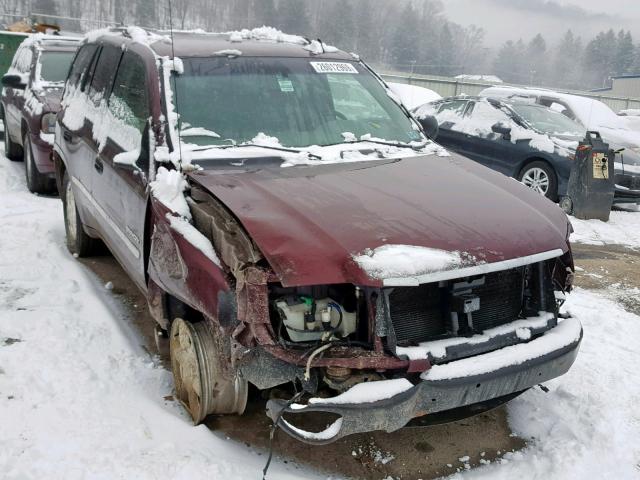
<point>12,150</point>
<point>541,178</point>
<point>78,242</point>
<point>36,182</point>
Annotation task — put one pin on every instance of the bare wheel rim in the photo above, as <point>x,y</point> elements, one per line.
<point>71,217</point>
<point>536,179</point>
<point>198,379</point>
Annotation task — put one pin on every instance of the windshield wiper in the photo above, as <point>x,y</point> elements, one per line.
<point>267,147</point>
<point>382,142</point>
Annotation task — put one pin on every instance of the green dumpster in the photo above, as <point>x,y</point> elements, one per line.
<point>9,43</point>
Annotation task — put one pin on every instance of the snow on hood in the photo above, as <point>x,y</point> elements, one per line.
<point>398,261</point>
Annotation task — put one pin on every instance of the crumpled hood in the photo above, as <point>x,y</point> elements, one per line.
<point>309,222</point>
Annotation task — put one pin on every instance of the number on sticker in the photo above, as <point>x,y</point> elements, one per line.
<point>333,67</point>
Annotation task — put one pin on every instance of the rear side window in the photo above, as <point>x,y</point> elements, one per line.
<point>80,67</point>
<point>22,60</point>
<point>104,72</point>
<point>54,66</point>
<point>129,101</point>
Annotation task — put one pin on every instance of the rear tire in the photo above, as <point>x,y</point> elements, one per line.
<point>36,182</point>
<point>11,150</point>
<point>78,242</point>
<point>540,177</point>
<point>198,373</point>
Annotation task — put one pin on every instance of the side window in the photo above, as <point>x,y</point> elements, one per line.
<point>80,67</point>
<point>129,100</point>
<point>482,117</point>
<point>451,112</point>
<point>23,60</point>
<point>104,72</point>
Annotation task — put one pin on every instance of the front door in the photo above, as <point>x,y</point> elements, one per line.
<point>123,162</point>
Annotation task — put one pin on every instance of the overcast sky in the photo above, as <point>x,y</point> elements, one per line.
<point>512,19</point>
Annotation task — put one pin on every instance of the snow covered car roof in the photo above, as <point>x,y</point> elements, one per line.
<point>413,96</point>
<point>591,113</point>
<point>259,42</point>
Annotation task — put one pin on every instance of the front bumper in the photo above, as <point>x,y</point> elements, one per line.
<point>456,384</point>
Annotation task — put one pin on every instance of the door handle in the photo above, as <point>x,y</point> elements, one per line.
<point>67,135</point>
<point>98,165</point>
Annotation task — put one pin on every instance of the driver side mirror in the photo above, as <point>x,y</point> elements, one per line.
<point>430,126</point>
<point>14,81</point>
<point>502,129</point>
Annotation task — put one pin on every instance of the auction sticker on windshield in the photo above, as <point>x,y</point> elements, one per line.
<point>333,67</point>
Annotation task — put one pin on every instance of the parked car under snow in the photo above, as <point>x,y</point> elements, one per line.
<point>30,101</point>
<point>292,227</point>
<point>529,142</point>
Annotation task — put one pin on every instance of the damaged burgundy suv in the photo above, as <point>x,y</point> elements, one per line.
<point>293,227</point>
<point>30,101</point>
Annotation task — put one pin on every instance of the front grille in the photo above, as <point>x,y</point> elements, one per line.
<point>500,299</point>
<point>422,313</point>
<point>418,313</point>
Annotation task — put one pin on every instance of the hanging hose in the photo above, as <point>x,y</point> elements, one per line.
<point>316,352</point>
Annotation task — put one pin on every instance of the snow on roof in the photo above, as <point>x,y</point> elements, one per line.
<point>591,113</point>
<point>482,78</point>
<point>265,33</point>
<point>413,96</point>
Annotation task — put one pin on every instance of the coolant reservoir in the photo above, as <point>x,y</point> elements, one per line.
<point>293,315</point>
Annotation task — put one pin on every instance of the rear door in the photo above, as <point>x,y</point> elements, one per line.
<point>450,116</point>
<point>15,98</point>
<point>120,187</point>
<point>492,149</point>
<point>74,138</point>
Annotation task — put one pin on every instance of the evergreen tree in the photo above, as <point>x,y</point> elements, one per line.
<point>568,61</point>
<point>337,24</point>
<point>145,13</point>
<point>599,58</point>
<point>510,63</point>
<point>293,17</point>
<point>624,56</point>
<point>264,12</point>
<point>446,52</point>
<point>536,55</point>
<point>404,41</point>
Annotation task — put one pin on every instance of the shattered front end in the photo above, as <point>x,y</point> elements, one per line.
<point>374,358</point>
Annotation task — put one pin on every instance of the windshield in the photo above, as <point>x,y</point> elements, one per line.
<point>298,101</point>
<point>54,66</point>
<point>548,121</point>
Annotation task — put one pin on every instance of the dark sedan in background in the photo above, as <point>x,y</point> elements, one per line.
<point>30,101</point>
<point>524,140</point>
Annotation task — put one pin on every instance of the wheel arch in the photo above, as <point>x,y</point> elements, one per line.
<point>538,158</point>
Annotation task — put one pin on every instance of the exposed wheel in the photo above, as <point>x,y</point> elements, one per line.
<point>566,204</point>
<point>198,373</point>
<point>11,150</point>
<point>36,182</point>
<point>78,242</point>
<point>540,177</point>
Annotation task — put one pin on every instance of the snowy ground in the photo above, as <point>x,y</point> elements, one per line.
<point>79,397</point>
<point>623,228</point>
